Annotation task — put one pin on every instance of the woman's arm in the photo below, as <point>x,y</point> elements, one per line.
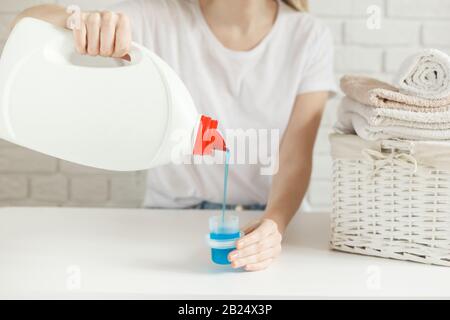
<point>98,33</point>
<point>51,13</point>
<point>291,182</point>
<point>262,242</point>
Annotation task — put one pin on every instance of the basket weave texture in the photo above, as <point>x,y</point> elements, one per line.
<point>391,199</point>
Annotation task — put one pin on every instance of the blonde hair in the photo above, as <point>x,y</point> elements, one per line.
<point>299,5</point>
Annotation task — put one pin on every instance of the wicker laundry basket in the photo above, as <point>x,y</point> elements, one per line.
<point>391,198</point>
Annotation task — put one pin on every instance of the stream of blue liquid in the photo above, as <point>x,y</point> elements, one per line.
<point>220,256</point>
<point>225,185</point>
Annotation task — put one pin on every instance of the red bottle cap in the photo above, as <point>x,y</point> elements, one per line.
<point>208,137</point>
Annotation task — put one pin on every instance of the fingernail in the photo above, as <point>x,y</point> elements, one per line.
<point>233,255</point>
<point>239,244</point>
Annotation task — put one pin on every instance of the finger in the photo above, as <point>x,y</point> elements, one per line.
<point>266,228</point>
<point>256,258</point>
<point>107,33</point>
<point>93,23</point>
<point>123,37</point>
<point>79,36</point>
<point>271,241</point>
<point>258,266</point>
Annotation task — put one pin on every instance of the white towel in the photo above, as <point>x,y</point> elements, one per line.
<point>425,74</point>
<point>367,132</point>
<point>391,117</point>
<point>367,123</point>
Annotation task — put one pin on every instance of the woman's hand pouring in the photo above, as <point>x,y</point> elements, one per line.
<point>107,34</point>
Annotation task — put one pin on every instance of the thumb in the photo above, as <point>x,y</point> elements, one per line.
<point>75,17</point>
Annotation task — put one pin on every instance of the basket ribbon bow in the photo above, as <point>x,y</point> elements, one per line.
<point>379,160</point>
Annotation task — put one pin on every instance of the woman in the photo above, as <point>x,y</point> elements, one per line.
<point>252,64</point>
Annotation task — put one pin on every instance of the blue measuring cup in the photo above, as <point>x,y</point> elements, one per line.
<point>223,233</point>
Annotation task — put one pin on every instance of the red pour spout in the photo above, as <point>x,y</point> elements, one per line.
<point>208,137</point>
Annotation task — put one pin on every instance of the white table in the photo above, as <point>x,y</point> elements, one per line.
<point>132,253</point>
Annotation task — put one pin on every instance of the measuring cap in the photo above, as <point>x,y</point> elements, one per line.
<point>224,231</point>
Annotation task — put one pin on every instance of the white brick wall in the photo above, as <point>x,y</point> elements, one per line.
<point>342,8</point>
<point>436,33</point>
<point>28,178</point>
<point>401,33</point>
<point>421,9</point>
<point>350,58</point>
<point>89,190</point>
<point>52,188</point>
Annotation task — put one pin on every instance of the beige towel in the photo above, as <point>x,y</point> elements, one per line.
<point>375,93</point>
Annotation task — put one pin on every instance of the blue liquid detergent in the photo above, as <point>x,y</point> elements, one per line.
<point>225,184</point>
<point>220,256</point>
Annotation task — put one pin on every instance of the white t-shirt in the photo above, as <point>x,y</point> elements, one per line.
<point>253,89</point>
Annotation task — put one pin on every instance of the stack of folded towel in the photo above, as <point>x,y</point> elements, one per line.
<point>416,108</point>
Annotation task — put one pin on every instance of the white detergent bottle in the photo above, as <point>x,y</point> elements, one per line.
<point>102,112</point>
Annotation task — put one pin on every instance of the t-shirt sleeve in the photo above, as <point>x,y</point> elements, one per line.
<point>140,18</point>
<point>318,74</point>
